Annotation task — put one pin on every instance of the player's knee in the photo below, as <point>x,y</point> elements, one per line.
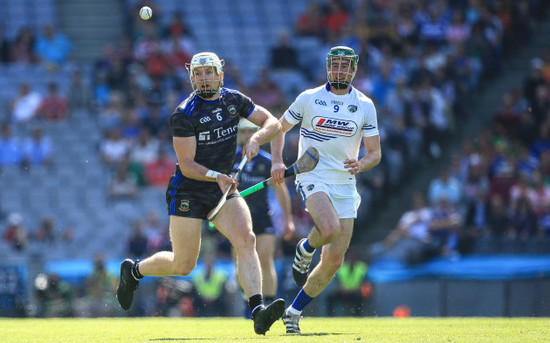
<point>184,269</point>
<point>246,241</point>
<point>329,232</point>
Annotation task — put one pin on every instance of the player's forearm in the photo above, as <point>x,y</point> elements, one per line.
<point>277,145</point>
<point>198,172</point>
<point>371,160</point>
<point>268,131</point>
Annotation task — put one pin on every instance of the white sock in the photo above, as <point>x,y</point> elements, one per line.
<point>294,311</point>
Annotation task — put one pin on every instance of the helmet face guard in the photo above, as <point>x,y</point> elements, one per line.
<point>341,66</point>
<point>205,74</point>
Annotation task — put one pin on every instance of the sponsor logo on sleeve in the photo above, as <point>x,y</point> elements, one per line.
<point>341,127</point>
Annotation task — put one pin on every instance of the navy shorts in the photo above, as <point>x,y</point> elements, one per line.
<point>193,204</point>
<point>261,223</point>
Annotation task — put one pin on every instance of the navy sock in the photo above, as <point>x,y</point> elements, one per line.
<point>254,302</point>
<point>301,301</point>
<point>135,271</point>
<point>308,247</point>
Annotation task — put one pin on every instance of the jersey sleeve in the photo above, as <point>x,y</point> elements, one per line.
<point>246,105</point>
<point>295,113</point>
<point>370,123</point>
<point>182,125</point>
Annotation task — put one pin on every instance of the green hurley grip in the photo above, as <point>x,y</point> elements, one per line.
<point>254,188</point>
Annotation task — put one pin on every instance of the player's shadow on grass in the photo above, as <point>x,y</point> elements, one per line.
<point>215,339</point>
<point>321,334</point>
<point>183,339</point>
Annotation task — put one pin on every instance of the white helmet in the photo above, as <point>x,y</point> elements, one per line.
<point>206,59</point>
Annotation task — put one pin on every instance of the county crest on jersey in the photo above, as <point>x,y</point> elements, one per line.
<point>335,125</point>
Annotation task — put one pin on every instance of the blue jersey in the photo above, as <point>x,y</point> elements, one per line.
<point>214,124</point>
<point>256,170</point>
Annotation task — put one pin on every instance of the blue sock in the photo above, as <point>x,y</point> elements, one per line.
<point>308,247</point>
<point>301,301</point>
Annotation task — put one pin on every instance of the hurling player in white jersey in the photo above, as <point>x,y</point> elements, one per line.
<point>335,118</point>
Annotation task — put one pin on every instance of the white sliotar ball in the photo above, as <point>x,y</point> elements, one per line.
<point>145,12</point>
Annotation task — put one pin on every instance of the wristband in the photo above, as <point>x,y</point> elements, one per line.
<point>212,174</point>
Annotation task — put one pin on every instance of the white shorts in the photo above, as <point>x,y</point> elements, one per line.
<point>344,197</point>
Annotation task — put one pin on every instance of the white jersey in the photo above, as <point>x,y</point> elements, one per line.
<point>335,125</point>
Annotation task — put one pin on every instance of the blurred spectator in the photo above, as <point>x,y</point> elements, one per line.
<point>45,232</point>
<point>154,118</point>
<point>54,296</point>
<point>177,26</point>
<point>174,298</point>
<point>311,22</point>
<point>336,17</point>
<point>11,150</point>
<point>110,116</point>
<point>350,282</point>
<point>97,300</point>
<point>157,233</point>
<point>146,46</point>
<point>445,227</point>
<point>23,47</point>
<point>458,31</point>
<point>54,106</point>
<point>209,283</point>
<point>284,55</point>
<point>159,170</point>
<point>146,147</point>
<point>123,185</point>
<point>80,93</point>
<point>101,89</point>
<point>137,242</point>
<point>409,242</point>
<point>25,104</point>
<point>113,149</point>
<point>498,219</point>
<point>267,93</point>
<point>5,46</point>
<point>52,48</point>
<point>445,186</point>
<point>523,221</point>
<point>534,79</point>
<point>15,233</point>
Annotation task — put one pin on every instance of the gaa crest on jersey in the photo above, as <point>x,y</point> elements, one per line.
<point>184,206</point>
<point>232,110</point>
<point>341,127</point>
<point>352,108</point>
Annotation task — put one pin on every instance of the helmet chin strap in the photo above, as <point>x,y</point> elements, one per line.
<point>339,85</point>
<point>207,93</point>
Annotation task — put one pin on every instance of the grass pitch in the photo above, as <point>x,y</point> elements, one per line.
<point>317,330</point>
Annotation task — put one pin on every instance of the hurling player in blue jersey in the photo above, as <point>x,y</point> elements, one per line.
<point>336,119</point>
<point>257,170</point>
<point>204,129</point>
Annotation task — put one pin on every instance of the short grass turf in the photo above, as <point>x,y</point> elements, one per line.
<point>317,330</point>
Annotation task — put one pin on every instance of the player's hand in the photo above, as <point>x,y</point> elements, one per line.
<point>225,181</point>
<point>353,166</point>
<point>250,149</point>
<point>289,230</point>
<point>278,173</point>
